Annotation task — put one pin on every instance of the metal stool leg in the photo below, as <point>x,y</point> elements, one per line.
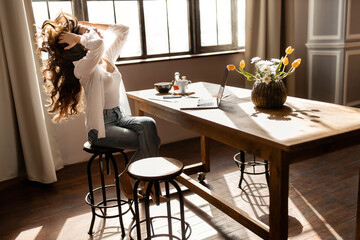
<point>126,160</point>
<point>103,189</point>
<point>137,217</point>
<point>91,193</point>
<point>168,206</point>
<point>116,173</point>
<point>267,172</point>
<point>182,211</point>
<point>242,167</point>
<point>147,210</point>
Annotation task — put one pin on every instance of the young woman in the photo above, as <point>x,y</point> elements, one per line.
<point>81,55</point>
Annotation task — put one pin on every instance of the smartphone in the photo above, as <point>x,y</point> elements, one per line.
<point>171,96</point>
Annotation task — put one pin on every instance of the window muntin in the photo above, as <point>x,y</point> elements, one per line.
<point>44,9</point>
<point>166,26</point>
<point>156,31</point>
<point>161,27</point>
<point>215,22</point>
<point>127,13</point>
<point>178,21</point>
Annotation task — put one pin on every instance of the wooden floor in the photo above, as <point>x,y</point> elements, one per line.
<point>322,200</point>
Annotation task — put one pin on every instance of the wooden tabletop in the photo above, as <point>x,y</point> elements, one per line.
<point>298,124</point>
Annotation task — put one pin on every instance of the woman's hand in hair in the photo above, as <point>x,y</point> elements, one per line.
<point>84,28</point>
<point>69,38</point>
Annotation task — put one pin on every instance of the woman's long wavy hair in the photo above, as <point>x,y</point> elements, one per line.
<point>63,88</point>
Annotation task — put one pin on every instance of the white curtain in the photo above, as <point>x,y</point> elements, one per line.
<point>32,139</point>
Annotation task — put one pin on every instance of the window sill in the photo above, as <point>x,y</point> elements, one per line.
<point>148,60</point>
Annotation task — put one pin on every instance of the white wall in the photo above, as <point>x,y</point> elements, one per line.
<point>71,134</point>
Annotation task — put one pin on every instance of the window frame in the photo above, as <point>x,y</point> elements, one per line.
<point>220,48</point>
<point>80,10</point>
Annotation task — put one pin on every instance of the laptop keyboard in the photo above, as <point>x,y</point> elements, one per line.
<point>204,102</point>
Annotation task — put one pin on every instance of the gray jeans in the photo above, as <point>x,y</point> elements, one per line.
<point>128,132</point>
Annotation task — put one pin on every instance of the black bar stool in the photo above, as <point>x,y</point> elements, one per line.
<point>106,203</point>
<point>153,171</point>
<point>239,159</point>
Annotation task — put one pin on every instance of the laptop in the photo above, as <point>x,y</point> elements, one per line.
<point>208,103</point>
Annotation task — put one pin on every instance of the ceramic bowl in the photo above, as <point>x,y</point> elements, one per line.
<point>163,87</point>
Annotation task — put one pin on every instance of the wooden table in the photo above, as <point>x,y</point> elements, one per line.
<point>300,130</point>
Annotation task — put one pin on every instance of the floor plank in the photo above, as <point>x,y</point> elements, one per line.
<point>322,200</point>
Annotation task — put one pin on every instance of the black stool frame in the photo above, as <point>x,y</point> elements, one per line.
<point>148,220</point>
<point>102,205</point>
<point>241,163</point>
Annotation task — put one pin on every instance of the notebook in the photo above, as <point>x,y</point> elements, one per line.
<point>208,103</point>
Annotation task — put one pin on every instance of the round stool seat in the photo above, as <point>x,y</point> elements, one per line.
<point>96,149</point>
<point>155,171</point>
<point>155,168</point>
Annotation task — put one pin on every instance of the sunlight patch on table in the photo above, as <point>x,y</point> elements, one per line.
<point>297,125</point>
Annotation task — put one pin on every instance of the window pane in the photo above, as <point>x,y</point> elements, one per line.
<point>178,25</point>
<point>101,11</point>
<point>40,12</point>
<point>241,23</point>
<point>156,27</point>
<point>224,22</point>
<point>127,13</point>
<point>208,29</point>
<point>57,6</point>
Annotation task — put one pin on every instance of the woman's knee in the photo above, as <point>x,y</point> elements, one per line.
<point>148,122</point>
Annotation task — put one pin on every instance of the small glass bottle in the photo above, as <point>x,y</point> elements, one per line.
<point>176,78</point>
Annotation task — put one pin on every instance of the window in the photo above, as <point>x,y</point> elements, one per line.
<point>161,27</point>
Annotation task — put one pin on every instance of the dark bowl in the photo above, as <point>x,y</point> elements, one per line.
<point>163,87</point>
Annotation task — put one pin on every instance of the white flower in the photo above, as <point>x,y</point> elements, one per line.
<point>261,63</point>
<point>255,59</point>
<point>275,60</point>
<point>266,79</point>
<point>265,69</point>
<point>273,69</point>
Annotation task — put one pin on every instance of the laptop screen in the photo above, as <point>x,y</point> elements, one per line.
<point>222,86</point>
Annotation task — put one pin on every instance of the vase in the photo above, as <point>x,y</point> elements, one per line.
<point>269,95</point>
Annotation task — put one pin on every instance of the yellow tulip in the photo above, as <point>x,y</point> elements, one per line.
<point>286,61</point>
<point>289,50</point>
<point>231,67</point>
<point>296,63</point>
<point>242,64</point>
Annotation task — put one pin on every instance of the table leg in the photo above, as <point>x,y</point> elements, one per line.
<point>205,158</point>
<point>279,192</point>
<point>137,110</point>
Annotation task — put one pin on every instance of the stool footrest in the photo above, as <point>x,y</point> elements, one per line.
<point>155,235</point>
<point>102,206</point>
